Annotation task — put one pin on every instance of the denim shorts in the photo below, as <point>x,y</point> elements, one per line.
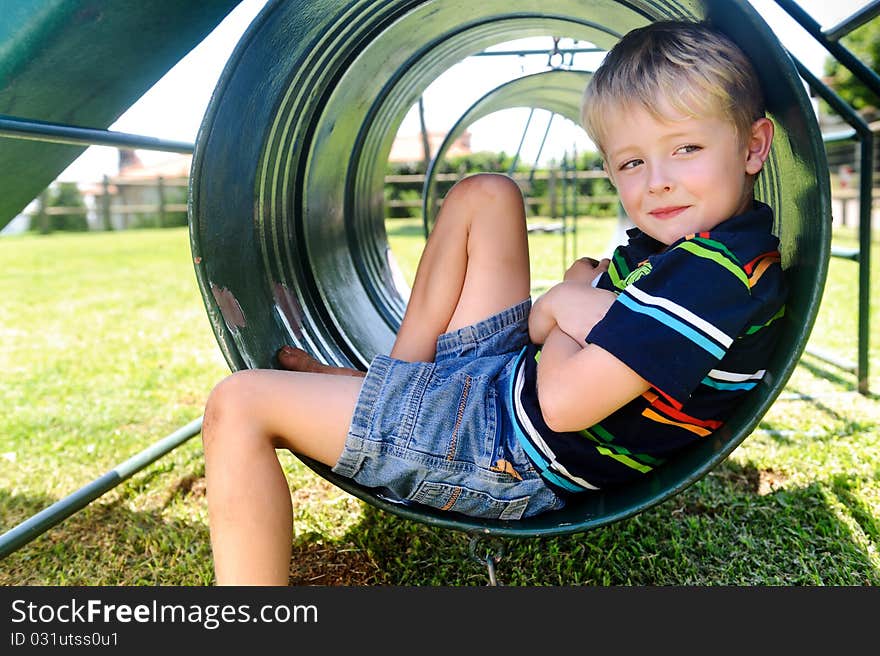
<point>440,433</point>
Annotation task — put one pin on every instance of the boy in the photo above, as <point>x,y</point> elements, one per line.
<point>493,408</point>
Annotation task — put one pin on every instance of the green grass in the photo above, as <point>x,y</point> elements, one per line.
<point>106,348</point>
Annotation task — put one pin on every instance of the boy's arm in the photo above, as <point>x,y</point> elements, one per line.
<point>572,306</point>
<point>579,386</point>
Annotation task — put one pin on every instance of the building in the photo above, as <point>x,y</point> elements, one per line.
<point>409,148</point>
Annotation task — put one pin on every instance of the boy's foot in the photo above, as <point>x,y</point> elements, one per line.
<point>295,359</point>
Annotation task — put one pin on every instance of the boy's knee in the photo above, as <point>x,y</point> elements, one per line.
<point>484,188</point>
<point>225,402</point>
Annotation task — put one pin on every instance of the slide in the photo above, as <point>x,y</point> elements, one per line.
<point>83,63</point>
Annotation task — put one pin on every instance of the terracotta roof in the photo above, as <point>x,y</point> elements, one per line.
<point>408,147</point>
<point>176,166</point>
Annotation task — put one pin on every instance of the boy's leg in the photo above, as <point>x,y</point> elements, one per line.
<point>248,416</point>
<point>475,264</point>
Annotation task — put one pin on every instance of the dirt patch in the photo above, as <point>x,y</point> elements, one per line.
<point>320,564</point>
<point>769,481</point>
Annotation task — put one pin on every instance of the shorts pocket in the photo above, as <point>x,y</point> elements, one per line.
<point>456,420</point>
<point>456,498</point>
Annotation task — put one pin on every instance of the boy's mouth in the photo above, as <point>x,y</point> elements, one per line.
<point>668,212</point>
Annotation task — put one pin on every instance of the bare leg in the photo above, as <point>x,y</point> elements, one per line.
<point>248,416</point>
<point>295,359</point>
<point>475,264</point>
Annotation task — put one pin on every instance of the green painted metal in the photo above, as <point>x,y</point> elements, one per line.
<point>287,222</point>
<point>558,91</point>
<point>70,134</point>
<point>862,132</point>
<point>38,524</point>
<point>861,16</point>
<point>83,63</point>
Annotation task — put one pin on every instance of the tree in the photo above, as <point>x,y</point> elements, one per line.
<point>864,43</point>
<point>66,195</point>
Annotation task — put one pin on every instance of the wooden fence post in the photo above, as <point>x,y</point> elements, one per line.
<point>160,187</point>
<point>42,215</point>
<point>105,204</point>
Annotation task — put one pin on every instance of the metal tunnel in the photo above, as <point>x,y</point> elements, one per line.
<point>287,217</point>
<point>558,91</point>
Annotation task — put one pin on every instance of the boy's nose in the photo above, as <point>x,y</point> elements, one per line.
<point>658,182</point>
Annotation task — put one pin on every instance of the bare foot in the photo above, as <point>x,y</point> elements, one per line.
<point>295,359</point>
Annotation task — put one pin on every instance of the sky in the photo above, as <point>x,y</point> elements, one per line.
<point>174,107</point>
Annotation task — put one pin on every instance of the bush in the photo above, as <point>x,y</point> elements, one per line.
<point>67,195</point>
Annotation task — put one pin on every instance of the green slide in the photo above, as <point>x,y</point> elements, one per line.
<point>83,63</point>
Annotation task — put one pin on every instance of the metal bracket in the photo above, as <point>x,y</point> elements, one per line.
<point>490,557</point>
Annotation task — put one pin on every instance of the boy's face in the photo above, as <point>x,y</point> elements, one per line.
<point>683,176</point>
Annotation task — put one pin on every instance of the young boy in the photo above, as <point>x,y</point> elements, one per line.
<point>493,408</point>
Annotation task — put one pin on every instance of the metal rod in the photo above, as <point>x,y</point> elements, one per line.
<point>840,135</point>
<point>19,128</point>
<point>866,166</point>
<point>859,18</point>
<point>843,55</point>
<point>574,202</point>
<point>846,365</point>
<point>541,148</point>
<point>565,185</point>
<point>38,524</point>
<point>845,253</point>
<point>508,53</point>
<point>522,140</point>
<point>866,161</point>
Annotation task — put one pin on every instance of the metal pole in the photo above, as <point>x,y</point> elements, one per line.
<point>865,203</point>
<point>61,510</point>
<point>868,77</point>
<point>19,128</point>
<point>522,53</point>
<point>866,165</point>
<point>522,139</point>
<point>564,194</point>
<point>574,202</point>
<point>859,18</point>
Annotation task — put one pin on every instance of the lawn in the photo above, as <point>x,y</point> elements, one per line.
<point>106,348</point>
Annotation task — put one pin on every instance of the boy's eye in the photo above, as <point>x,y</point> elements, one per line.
<point>630,164</point>
<point>690,148</point>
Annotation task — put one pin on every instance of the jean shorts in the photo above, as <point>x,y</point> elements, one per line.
<point>440,433</point>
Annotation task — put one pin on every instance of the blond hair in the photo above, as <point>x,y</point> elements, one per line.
<point>699,71</point>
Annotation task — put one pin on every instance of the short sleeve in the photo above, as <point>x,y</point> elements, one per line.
<point>677,317</point>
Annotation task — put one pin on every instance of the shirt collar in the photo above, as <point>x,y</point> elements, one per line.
<point>759,218</point>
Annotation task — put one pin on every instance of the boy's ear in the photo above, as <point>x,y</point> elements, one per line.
<point>759,145</point>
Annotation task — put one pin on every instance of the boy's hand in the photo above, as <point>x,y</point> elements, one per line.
<point>585,269</point>
<point>572,306</point>
<point>577,308</point>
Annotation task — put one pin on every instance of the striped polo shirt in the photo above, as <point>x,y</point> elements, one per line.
<point>697,320</point>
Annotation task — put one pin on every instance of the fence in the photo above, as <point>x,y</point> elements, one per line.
<point>118,204</point>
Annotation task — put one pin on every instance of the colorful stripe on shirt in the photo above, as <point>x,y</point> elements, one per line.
<point>618,270</point>
<point>666,414</point>
<point>753,329</point>
<point>757,267</point>
<point>679,319</point>
<point>728,380</point>
<point>701,246</point>
<point>641,462</point>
